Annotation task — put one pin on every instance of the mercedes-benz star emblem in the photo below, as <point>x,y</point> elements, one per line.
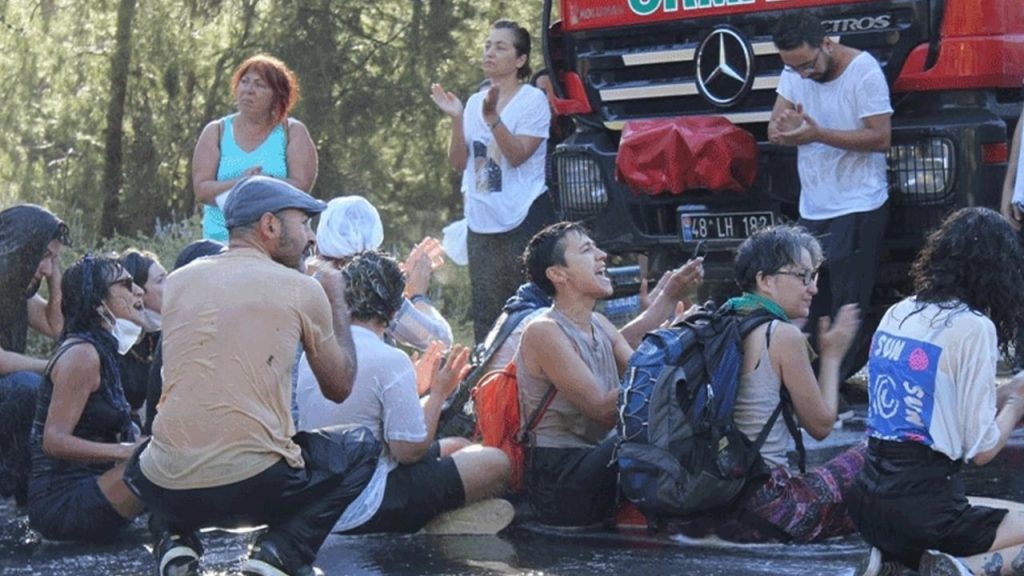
<point>725,66</point>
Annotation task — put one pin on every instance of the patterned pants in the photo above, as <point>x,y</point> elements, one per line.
<point>812,506</point>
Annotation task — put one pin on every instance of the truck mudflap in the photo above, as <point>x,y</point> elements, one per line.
<point>686,153</point>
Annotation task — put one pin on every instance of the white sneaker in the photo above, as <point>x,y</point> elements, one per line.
<point>484,517</point>
<point>935,563</point>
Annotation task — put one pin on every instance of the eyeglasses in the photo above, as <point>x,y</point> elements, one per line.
<point>127,281</point>
<point>807,68</point>
<point>808,277</point>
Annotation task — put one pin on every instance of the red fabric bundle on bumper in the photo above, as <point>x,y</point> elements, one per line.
<point>684,153</point>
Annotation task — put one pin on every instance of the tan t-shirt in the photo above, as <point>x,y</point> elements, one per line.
<point>232,324</point>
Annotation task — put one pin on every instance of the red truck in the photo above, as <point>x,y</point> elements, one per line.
<point>954,68</point>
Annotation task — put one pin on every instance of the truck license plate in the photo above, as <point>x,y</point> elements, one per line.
<point>694,226</point>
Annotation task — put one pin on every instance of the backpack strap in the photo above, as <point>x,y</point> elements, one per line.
<point>784,407</point>
<point>538,413</point>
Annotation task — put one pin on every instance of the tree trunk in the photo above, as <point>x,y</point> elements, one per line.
<point>113,175</point>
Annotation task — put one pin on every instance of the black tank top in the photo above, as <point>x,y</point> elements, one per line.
<point>105,417</point>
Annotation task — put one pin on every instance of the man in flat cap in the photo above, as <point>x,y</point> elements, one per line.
<point>224,450</point>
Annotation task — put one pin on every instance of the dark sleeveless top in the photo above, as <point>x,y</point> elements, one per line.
<point>106,416</point>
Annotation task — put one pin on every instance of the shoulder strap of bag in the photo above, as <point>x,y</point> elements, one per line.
<point>784,407</point>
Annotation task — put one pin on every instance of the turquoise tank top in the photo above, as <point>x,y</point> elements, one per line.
<point>271,155</point>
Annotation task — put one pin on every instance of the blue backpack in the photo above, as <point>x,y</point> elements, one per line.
<point>680,453</point>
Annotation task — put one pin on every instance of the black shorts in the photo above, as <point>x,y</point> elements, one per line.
<point>909,498</point>
<point>572,486</point>
<point>416,494</point>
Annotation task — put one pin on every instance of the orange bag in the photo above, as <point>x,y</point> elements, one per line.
<point>498,417</point>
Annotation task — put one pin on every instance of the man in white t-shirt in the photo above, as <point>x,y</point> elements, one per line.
<point>833,105</point>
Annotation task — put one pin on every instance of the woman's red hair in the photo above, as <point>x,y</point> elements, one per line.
<point>278,76</point>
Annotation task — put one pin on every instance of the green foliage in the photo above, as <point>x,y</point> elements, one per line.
<point>365,69</point>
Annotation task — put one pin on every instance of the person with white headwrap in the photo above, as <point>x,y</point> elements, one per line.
<point>351,225</point>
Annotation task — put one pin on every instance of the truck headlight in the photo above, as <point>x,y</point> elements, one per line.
<point>581,191</point>
<point>922,171</point>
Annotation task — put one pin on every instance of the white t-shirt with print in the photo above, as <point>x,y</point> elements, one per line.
<point>383,399</point>
<point>833,181</point>
<point>497,194</point>
<point>931,378</point>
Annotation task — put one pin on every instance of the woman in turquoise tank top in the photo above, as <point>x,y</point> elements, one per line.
<point>258,139</point>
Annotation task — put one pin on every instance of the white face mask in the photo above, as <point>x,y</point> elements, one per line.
<point>151,320</point>
<point>126,332</point>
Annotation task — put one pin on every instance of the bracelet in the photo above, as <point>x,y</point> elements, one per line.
<point>496,124</point>
<point>417,298</point>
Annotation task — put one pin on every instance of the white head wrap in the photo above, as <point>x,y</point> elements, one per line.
<point>350,224</point>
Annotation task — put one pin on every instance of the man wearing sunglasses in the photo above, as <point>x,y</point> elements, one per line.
<point>31,239</point>
<point>833,105</point>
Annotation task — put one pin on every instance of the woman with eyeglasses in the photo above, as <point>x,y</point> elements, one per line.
<point>149,274</point>
<point>83,432</point>
<point>777,270</point>
<point>934,406</point>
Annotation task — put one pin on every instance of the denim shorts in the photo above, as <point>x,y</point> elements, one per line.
<point>70,506</point>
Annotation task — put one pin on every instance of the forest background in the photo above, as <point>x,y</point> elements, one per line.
<point>104,100</point>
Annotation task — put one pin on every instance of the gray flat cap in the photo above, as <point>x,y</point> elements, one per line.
<point>254,196</point>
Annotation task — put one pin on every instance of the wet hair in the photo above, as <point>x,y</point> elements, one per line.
<point>138,263</point>
<point>797,28</point>
<point>278,76</point>
<point>546,249</point>
<point>198,249</point>
<point>521,42</point>
<point>770,249</point>
<point>373,286</point>
<point>974,256</point>
<point>85,286</point>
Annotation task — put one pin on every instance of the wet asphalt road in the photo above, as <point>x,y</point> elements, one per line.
<point>522,549</point>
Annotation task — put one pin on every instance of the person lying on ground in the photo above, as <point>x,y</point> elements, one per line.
<point>933,405</point>
<point>577,353</point>
<point>418,477</point>
<point>351,225</point>
<point>31,239</point>
<point>83,432</point>
<point>224,451</point>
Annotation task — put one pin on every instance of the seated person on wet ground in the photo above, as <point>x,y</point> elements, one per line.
<point>149,275</point>
<point>570,475</point>
<point>776,269</point>
<point>934,407</point>
<point>351,225</point>
<point>83,432</point>
<point>417,477</point>
<point>155,380</point>
<point>31,239</point>
<point>224,452</point>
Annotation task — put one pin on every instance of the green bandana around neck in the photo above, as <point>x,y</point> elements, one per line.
<point>751,302</point>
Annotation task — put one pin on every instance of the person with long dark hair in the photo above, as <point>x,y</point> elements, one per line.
<point>497,143</point>
<point>83,432</point>
<point>149,274</point>
<point>31,239</point>
<point>934,406</point>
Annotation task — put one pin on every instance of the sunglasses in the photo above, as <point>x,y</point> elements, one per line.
<point>127,282</point>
